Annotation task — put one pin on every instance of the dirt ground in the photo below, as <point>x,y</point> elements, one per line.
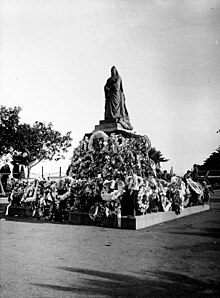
<point>180,258</point>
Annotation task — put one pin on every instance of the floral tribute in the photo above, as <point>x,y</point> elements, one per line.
<point>102,163</point>
<point>109,169</point>
<point>108,175</point>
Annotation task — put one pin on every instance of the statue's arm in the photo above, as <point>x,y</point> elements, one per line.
<point>106,88</point>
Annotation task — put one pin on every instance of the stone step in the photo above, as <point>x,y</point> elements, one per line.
<point>135,222</point>
<point>19,211</point>
<point>2,214</point>
<point>125,222</point>
<point>3,206</point>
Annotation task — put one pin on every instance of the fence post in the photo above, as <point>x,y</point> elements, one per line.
<point>42,171</point>
<point>171,171</point>
<point>28,173</point>
<point>60,172</point>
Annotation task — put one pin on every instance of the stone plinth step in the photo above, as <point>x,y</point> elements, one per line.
<point>82,218</point>
<point>136,222</point>
<point>108,127</point>
<point>3,206</point>
<point>126,222</point>
<point>19,211</point>
<point>2,214</point>
<point>143,221</point>
<point>113,127</point>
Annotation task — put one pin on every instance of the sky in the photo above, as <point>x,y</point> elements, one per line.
<point>55,58</point>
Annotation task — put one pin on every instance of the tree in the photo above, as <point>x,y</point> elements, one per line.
<point>41,142</point>
<point>157,156</point>
<point>9,122</point>
<point>31,144</point>
<point>212,162</point>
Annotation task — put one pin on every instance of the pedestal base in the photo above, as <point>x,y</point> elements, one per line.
<point>136,222</point>
<point>112,126</point>
<point>109,125</point>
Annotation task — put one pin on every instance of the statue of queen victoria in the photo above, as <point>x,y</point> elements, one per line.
<point>115,107</point>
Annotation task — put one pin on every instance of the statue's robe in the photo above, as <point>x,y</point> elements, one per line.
<point>115,107</point>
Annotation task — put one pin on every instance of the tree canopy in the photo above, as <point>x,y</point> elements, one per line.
<point>9,122</point>
<point>212,162</point>
<point>30,144</point>
<point>157,156</point>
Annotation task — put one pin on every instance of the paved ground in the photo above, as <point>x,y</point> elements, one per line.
<point>180,258</point>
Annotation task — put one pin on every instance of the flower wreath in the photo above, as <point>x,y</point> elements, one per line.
<point>166,203</point>
<point>97,212</point>
<point>97,135</point>
<point>110,196</point>
<point>143,200</point>
<point>195,187</point>
<point>147,143</point>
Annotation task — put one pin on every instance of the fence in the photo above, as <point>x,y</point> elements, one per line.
<point>48,175</point>
<point>43,174</point>
<point>213,177</point>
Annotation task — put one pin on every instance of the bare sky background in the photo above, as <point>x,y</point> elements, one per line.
<point>55,57</point>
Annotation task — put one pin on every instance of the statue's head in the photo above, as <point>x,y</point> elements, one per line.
<point>114,71</point>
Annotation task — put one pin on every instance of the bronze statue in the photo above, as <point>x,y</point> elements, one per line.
<point>115,107</point>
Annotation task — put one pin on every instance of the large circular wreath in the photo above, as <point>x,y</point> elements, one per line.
<point>97,135</point>
<point>97,212</point>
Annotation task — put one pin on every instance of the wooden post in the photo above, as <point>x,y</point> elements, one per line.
<point>42,171</point>
<point>60,172</point>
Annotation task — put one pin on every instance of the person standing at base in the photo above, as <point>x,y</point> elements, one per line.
<point>4,175</point>
<point>129,200</point>
<point>207,195</point>
<point>195,173</point>
<point>187,176</point>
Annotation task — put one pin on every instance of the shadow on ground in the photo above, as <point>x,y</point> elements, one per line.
<point>205,232</point>
<point>87,282</point>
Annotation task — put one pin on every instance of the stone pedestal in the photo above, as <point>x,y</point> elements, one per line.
<point>109,126</point>
<point>112,126</point>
